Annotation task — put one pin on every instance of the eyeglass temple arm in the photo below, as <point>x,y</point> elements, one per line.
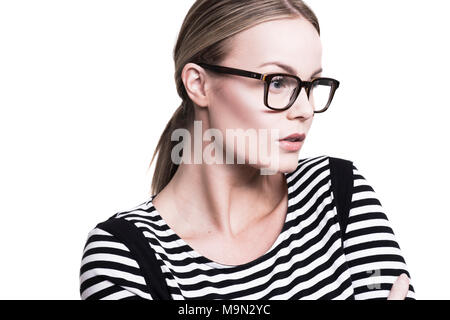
<point>254,75</point>
<point>237,72</point>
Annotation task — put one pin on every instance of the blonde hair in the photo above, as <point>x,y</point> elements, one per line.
<point>203,37</point>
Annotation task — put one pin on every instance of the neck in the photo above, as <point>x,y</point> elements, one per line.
<point>225,198</point>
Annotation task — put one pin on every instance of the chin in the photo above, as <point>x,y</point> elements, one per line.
<point>289,167</point>
<point>288,162</point>
<point>285,164</point>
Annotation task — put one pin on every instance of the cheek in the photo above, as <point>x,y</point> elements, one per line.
<point>235,107</point>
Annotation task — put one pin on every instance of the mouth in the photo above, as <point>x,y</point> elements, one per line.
<point>296,137</point>
<point>293,142</point>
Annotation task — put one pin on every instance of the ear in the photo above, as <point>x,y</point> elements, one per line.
<point>194,79</point>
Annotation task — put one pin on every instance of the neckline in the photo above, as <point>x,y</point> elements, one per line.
<point>196,255</point>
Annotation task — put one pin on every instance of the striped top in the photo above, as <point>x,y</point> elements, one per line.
<point>308,260</point>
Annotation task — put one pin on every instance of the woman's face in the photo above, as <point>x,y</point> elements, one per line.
<point>237,102</point>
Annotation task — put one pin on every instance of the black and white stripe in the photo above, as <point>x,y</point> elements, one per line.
<point>307,261</point>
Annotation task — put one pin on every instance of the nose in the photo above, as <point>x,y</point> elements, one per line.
<point>301,106</point>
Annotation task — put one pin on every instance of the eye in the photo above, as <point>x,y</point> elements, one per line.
<point>278,82</point>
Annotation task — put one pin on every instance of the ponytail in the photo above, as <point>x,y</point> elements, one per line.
<point>165,168</point>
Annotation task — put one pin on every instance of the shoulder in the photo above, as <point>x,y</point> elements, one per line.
<point>330,172</point>
<point>124,224</point>
<point>142,215</point>
<point>322,163</point>
<point>109,269</point>
<point>321,159</point>
<point>323,176</point>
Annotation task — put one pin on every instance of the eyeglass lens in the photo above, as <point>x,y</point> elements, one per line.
<point>283,89</point>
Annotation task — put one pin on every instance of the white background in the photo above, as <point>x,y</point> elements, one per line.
<point>86,88</point>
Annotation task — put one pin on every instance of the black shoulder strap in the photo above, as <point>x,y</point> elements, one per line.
<point>127,232</point>
<point>342,186</point>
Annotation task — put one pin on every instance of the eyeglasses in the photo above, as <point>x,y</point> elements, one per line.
<point>281,89</point>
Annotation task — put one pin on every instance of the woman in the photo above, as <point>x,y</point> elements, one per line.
<point>228,230</point>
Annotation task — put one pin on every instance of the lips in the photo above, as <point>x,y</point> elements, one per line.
<point>296,137</point>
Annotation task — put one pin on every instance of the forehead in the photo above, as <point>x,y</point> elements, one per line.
<point>291,41</point>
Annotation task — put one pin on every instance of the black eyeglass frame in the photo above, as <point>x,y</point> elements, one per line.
<point>267,78</point>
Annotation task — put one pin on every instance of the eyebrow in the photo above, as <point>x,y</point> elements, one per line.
<point>288,68</point>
